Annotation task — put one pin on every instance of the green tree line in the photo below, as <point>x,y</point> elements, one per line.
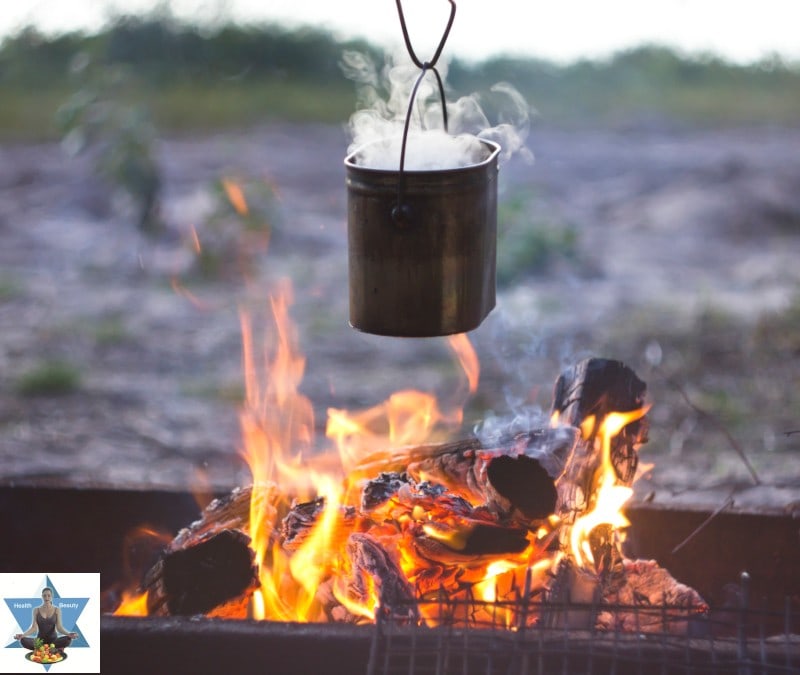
<point>194,77</point>
<point>162,50</point>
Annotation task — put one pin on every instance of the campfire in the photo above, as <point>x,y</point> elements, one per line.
<point>396,523</point>
<point>454,550</point>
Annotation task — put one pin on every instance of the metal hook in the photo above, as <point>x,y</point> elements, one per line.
<point>437,54</point>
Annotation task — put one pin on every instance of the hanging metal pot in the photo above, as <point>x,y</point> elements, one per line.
<point>422,244</point>
<point>425,265</point>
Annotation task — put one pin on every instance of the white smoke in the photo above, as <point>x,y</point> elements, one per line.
<point>383,98</point>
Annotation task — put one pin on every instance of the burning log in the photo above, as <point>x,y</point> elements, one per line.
<point>605,399</point>
<point>372,565</point>
<point>594,396</point>
<point>209,566</point>
<point>301,518</point>
<point>585,395</point>
<point>514,480</point>
<point>231,512</point>
<point>213,576</point>
<point>449,540</point>
<point>370,575</point>
<point>443,527</point>
<point>518,478</point>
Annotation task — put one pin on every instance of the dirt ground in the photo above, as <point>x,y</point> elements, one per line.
<point>675,227</point>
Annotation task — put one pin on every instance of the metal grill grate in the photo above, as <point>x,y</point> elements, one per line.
<point>515,638</point>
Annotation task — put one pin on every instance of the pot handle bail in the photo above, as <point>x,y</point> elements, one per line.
<point>401,212</point>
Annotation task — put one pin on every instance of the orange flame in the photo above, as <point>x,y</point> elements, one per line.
<point>198,249</point>
<point>311,564</point>
<point>277,429</point>
<point>277,426</point>
<point>184,292</point>
<point>365,611</point>
<point>487,588</point>
<point>467,357</point>
<point>405,418</point>
<point>139,546</point>
<point>608,495</point>
<point>133,604</point>
<point>235,195</point>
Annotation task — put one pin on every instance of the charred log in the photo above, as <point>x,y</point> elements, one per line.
<point>301,518</point>
<point>640,597</point>
<point>594,388</point>
<point>215,575</point>
<point>584,396</point>
<point>209,566</point>
<point>525,484</point>
<point>571,599</point>
<point>298,522</point>
<point>231,512</point>
<point>382,488</point>
<point>515,480</point>
<point>391,493</point>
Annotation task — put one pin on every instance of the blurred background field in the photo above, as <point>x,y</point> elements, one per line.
<point>659,224</point>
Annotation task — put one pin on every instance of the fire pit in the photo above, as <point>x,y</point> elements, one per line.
<point>751,625</point>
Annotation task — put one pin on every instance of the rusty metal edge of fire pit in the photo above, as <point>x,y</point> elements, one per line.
<point>207,645</point>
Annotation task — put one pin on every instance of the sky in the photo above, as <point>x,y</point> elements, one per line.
<point>742,31</point>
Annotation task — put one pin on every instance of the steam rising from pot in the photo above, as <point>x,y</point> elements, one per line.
<point>377,127</point>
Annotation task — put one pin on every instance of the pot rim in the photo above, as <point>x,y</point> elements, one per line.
<point>350,161</point>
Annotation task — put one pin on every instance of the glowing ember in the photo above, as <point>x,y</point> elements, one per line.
<point>487,587</point>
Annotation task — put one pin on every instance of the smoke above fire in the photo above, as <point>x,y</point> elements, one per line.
<point>376,128</point>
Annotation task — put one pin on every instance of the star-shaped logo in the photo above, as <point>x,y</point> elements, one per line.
<point>71,608</point>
